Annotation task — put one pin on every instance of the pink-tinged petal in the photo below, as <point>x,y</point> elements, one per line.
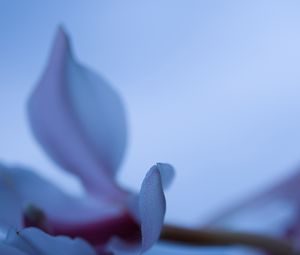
<point>34,241</point>
<point>100,112</point>
<point>47,207</point>
<point>275,211</point>
<point>79,120</point>
<point>152,203</point>
<point>32,189</point>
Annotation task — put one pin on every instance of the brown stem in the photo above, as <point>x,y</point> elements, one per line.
<point>223,238</point>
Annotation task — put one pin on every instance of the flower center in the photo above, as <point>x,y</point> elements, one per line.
<point>96,232</point>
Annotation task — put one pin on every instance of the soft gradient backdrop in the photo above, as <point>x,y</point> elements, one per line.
<point>212,87</point>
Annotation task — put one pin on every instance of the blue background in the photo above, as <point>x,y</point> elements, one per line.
<point>210,86</point>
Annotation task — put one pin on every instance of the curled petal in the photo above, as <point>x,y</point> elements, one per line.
<point>167,174</point>
<point>152,204</point>
<point>79,120</point>
<point>148,208</point>
<point>34,241</point>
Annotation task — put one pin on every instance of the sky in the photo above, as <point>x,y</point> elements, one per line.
<point>211,87</point>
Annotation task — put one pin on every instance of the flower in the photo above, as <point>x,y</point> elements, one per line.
<point>79,120</point>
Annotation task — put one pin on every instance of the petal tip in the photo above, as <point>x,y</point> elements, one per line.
<point>61,37</point>
<point>167,173</point>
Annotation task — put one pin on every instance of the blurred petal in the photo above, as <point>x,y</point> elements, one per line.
<point>47,207</point>
<point>152,204</point>
<point>32,189</point>
<point>79,120</point>
<point>274,212</point>
<point>6,249</point>
<point>34,241</point>
<point>11,211</point>
<point>118,246</point>
<point>101,113</point>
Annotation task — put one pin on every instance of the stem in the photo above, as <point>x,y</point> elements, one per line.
<point>223,238</point>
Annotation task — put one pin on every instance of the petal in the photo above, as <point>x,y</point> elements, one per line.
<point>35,241</point>
<point>118,246</point>
<point>32,189</point>
<point>79,120</point>
<point>152,204</point>
<point>148,208</point>
<point>47,207</point>
<point>167,174</point>
<point>11,212</point>
<point>6,249</point>
<point>274,212</point>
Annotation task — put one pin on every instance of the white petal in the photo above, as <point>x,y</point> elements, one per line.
<point>11,211</point>
<point>31,189</point>
<point>152,203</point>
<point>34,241</point>
<point>79,120</point>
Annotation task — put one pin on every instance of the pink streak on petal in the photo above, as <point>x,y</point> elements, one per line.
<point>97,232</point>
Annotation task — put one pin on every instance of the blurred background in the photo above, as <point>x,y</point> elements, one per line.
<point>211,87</point>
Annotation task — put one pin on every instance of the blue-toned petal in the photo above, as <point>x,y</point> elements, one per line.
<point>148,208</point>
<point>34,241</point>
<point>275,211</point>
<point>167,174</point>
<point>100,112</point>
<point>11,211</point>
<point>79,120</point>
<point>118,246</point>
<point>152,204</point>
<point>31,189</point>
<point>7,249</point>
